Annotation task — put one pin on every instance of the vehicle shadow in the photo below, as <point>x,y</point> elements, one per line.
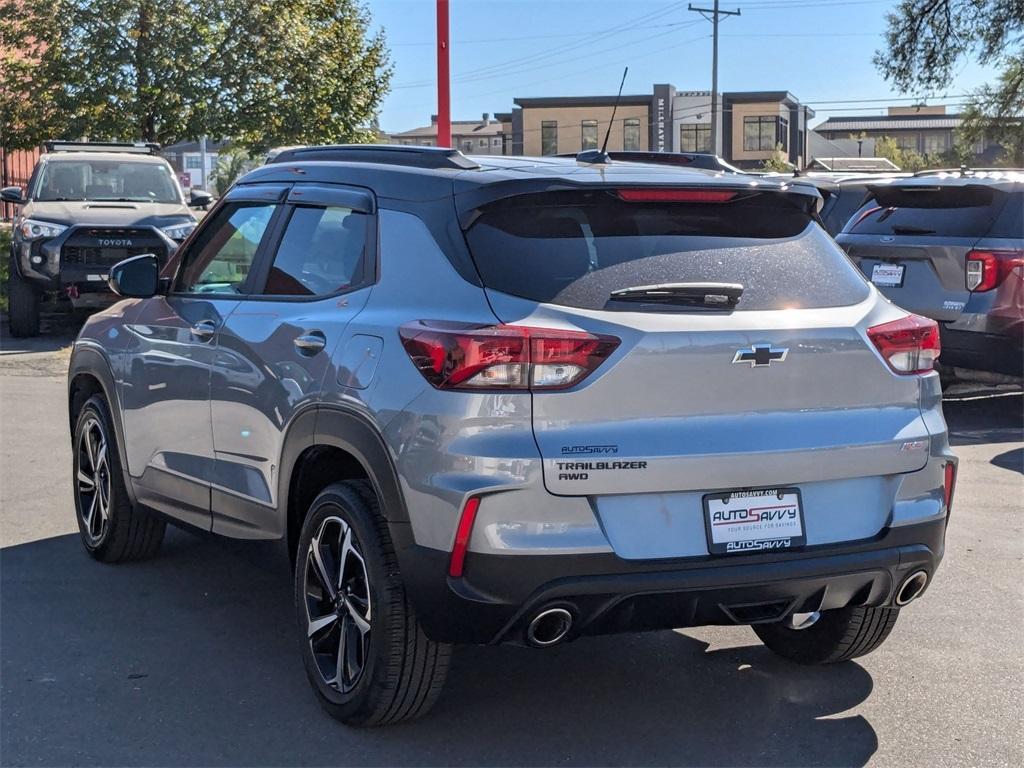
<point>190,659</point>
<point>997,418</point>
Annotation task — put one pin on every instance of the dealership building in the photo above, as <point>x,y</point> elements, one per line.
<point>753,124</point>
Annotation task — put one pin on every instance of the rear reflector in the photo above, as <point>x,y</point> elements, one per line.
<point>988,269</point>
<point>462,534</point>
<point>909,345</point>
<point>457,356</point>
<point>675,195</point>
<point>949,482</point>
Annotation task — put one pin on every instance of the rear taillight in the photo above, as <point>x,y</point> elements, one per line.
<point>909,345</point>
<point>948,483</point>
<point>987,269</point>
<point>455,356</point>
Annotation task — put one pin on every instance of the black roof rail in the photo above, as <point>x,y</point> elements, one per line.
<point>387,154</point>
<point>137,147</point>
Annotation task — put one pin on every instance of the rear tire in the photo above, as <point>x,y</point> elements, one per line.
<point>839,635</point>
<point>390,670</point>
<point>112,529</point>
<point>22,305</point>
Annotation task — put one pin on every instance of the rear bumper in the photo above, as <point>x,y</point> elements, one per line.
<point>500,594</point>
<point>980,351</point>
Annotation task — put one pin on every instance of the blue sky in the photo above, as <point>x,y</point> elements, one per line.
<point>820,50</point>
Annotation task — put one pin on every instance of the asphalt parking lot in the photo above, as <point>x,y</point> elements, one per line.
<point>190,658</point>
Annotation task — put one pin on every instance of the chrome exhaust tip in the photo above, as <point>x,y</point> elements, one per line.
<point>803,620</point>
<point>911,588</point>
<point>549,627</point>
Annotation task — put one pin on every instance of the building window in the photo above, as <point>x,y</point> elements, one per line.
<point>631,134</point>
<point>762,132</point>
<point>549,137</point>
<point>483,142</point>
<point>936,143</point>
<point>907,141</point>
<point>695,137</point>
<point>192,162</point>
<point>467,146</point>
<point>588,135</point>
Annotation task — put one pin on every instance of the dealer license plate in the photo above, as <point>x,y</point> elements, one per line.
<point>887,275</point>
<point>754,521</point>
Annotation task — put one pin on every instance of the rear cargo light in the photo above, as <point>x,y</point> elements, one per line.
<point>676,195</point>
<point>457,356</point>
<point>988,269</point>
<point>457,563</point>
<point>909,345</point>
<point>948,484</point>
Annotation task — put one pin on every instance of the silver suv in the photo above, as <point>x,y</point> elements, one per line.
<point>519,401</point>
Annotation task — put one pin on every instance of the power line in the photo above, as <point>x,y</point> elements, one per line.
<point>712,15</point>
<point>559,50</point>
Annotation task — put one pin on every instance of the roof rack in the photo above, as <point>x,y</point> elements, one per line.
<point>388,154</point>
<point>964,170</point>
<point>138,147</point>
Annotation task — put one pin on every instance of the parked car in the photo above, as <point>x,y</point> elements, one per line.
<point>88,206</point>
<point>520,400</point>
<point>842,194</point>
<point>950,246</point>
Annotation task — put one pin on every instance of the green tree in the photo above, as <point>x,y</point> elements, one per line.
<point>926,41</point>
<point>778,161</point>
<point>232,162</point>
<point>260,71</point>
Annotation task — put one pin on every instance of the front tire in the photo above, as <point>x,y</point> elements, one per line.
<point>839,635</point>
<point>111,528</point>
<point>22,305</point>
<point>364,651</point>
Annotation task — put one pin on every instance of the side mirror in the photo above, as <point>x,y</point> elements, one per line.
<point>200,199</point>
<point>12,195</point>
<point>136,278</point>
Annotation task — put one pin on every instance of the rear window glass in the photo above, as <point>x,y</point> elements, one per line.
<point>967,211</point>
<point>574,249</point>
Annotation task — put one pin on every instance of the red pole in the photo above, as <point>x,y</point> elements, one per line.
<point>444,96</point>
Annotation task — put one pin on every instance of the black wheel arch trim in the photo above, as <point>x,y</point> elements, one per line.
<point>349,431</point>
<point>89,361</point>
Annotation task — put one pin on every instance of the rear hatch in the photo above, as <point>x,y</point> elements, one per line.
<point>782,389</point>
<point>912,240</point>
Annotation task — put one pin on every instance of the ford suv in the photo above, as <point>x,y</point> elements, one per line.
<point>519,400</point>
<point>87,207</point>
<point>950,246</point>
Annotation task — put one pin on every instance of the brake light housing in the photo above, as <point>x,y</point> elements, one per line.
<point>909,345</point>
<point>986,270</point>
<point>663,195</point>
<point>503,357</point>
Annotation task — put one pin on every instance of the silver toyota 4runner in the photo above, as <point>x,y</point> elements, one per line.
<point>519,400</point>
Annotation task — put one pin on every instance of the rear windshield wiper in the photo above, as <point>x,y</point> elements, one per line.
<point>694,294</point>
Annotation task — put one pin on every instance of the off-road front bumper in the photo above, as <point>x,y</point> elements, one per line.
<point>500,594</point>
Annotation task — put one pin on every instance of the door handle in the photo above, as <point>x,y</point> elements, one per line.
<point>310,343</point>
<point>204,330</point>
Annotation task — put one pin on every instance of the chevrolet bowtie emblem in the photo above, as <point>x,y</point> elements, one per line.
<point>760,354</point>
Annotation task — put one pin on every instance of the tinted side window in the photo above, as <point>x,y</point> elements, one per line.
<point>322,252</point>
<point>220,259</point>
<point>1011,223</point>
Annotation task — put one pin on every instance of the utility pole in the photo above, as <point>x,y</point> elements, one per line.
<point>444,96</point>
<point>712,15</point>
